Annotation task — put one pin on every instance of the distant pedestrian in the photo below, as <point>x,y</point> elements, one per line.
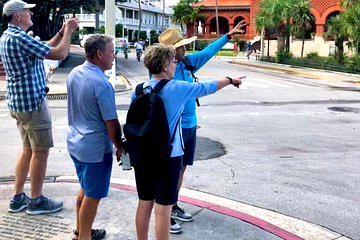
<point>157,183</point>
<point>23,56</point>
<point>248,50</point>
<point>94,124</point>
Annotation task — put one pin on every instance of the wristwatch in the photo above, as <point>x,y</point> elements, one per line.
<point>231,80</point>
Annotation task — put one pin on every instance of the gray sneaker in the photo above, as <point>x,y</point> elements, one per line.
<point>18,206</point>
<point>174,227</point>
<point>179,214</point>
<point>46,205</point>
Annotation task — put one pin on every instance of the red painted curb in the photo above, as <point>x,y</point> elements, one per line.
<point>266,226</point>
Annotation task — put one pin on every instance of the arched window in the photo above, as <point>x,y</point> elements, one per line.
<point>223,26</point>
<point>237,20</point>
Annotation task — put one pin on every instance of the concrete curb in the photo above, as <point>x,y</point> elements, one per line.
<point>277,224</point>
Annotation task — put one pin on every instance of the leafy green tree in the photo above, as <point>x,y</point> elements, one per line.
<point>119,30</point>
<point>154,37</point>
<point>181,10</point>
<point>351,19</point>
<point>274,14</point>
<point>301,20</point>
<point>336,28</point>
<point>193,18</point>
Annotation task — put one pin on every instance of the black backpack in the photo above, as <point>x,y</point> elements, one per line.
<point>147,129</point>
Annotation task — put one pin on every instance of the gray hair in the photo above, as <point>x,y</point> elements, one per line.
<point>95,42</point>
<point>158,57</point>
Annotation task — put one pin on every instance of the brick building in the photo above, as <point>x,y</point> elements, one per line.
<point>230,12</point>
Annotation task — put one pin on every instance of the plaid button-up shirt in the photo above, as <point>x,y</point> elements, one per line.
<point>23,57</point>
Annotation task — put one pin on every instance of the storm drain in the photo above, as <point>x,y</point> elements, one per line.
<point>344,109</point>
<point>56,97</point>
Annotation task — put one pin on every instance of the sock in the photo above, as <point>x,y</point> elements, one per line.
<point>19,197</point>
<point>36,201</point>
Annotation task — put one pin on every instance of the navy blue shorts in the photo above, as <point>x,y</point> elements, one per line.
<point>94,178</point>
<point>189,138</point>
<point>159,183</point>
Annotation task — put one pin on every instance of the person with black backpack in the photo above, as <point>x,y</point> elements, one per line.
<point>186,68</point>
<point>160,101</point>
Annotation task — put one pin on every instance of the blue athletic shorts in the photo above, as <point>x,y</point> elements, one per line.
<point>94,178</point>
<point>159,183</point>
<point>189,138</point>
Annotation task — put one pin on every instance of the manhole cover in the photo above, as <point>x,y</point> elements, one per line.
<point>208,149</point>
<point>344,109</point>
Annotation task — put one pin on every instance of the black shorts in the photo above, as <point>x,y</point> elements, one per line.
<point>159,183</point>
<point>189,138</point>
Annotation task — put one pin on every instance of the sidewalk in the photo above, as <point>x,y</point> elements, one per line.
<point>214,217</point>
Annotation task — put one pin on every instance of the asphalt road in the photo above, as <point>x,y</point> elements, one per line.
<point>283,142</point>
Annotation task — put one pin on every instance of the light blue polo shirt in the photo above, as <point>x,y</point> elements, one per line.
<point>91,102</point>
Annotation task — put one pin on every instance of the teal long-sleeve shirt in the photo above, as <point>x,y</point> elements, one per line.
<point>189,119</point>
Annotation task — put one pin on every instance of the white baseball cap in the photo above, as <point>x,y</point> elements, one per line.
<point>13,6</point>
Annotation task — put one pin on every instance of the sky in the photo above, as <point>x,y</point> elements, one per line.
<point>171,2</point>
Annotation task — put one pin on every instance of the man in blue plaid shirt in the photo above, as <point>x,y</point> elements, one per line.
<point>23,57</point>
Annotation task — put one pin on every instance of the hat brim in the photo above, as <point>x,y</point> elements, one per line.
<point>185,41</point>
<point>29,6</point>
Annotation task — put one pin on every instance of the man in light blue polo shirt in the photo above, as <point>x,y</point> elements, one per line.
<point>94,126</point>
<point>23,57</point>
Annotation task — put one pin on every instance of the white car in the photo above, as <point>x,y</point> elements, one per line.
<point>83,40</point>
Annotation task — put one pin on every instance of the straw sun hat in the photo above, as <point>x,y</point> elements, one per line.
<point>172,36</point>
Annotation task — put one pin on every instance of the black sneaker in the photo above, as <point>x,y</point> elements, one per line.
<point>174,227</point>
<point>96,234</point>
<point>18,206</point>
<point>179,214</point>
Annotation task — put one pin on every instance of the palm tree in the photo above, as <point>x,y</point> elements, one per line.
<point>336,28</point>
<point>273,14</point>
<point>351,18</point>
<point>193,18</point>
<point>301,20</point>
<point>181,10</point>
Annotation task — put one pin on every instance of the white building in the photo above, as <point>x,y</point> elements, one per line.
<point>127,13</point>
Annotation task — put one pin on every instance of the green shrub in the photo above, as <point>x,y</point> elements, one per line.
<point>283,55</point>
<point>354,61</point>
<point>313,56</point>
<point>201,44</point>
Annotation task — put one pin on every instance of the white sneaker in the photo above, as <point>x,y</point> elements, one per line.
<point>174,227</point>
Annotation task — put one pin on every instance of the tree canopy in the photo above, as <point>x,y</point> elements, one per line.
<point>48,14</point>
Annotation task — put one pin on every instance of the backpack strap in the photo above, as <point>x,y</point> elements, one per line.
<point>139,89</point>
<point>160,85</point>
<point>191,68</point>
<point>173,134</point>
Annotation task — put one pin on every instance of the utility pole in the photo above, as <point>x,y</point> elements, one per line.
<point>217,18</point>
<point>110,30</point>
<point>97,12</point>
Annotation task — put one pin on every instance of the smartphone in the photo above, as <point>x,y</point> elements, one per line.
<point>125,162</point>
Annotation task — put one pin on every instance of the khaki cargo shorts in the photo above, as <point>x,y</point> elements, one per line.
<point>35,127</point>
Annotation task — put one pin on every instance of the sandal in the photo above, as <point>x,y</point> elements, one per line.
<point>96,234</point>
